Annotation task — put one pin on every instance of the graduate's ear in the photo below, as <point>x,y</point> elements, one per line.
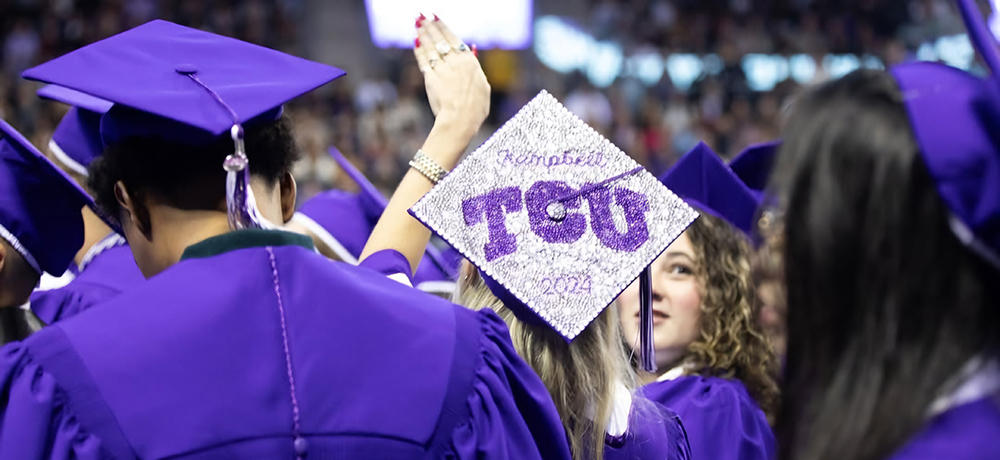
<point>288,192</point>
<point>133,211</point>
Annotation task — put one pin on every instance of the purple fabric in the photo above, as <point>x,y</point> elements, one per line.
<point>35,423</point>
<point>654,433</point>
<point>967,432</point>
<point>349,219</point>
<point>494,430</point>
<point>721,419</point>
<point>388,262</point>
<point>701,177</point>
<point>954,117</point>
<point>75,98</point>
<point>753,166</point>
<point>144,71</point>
<point>39,204</point>
<point>78,135</point>
<point>110,273</point>
<point>374,365</point>
<point>438,264</point>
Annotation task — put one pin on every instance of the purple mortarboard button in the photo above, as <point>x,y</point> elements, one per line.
<point>39,205</point>
<point>557,219</point>
<point>704,181</point>
<point>955,117</point>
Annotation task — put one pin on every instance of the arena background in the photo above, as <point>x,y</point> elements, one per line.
<point>655,76</point>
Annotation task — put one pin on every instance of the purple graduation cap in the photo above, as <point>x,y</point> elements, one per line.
<point>753,166</point>
<point>344,221</point>
<point>955,117</point>
<point>704,181</point>
<point>558,220</point>
<point>189,87</point>
<point>39,205</point>
<point>77,140</point>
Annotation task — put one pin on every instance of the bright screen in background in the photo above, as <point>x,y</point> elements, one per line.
<point>487,23</point>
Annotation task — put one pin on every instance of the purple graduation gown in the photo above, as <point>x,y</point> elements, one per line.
<point>251,338</point>
<point>722,421</point>
<point>109,273</point>
<point>653,431</point>
<point>967,432</point>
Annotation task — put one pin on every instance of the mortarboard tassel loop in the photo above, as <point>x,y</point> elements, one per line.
<point>647,358</point>
<point>241,207</point>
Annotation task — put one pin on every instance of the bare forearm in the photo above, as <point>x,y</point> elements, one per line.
<point>396,229</point>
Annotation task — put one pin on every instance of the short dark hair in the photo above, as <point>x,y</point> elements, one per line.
<point>885,304</point>
<point>188,177</point>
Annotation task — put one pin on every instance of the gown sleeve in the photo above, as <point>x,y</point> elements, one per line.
<point>390,263</point>
<point>722,421</point>
<point>511,413</point>
<point>66,302</point>
<point>654,432</point>
<point>35,422</point>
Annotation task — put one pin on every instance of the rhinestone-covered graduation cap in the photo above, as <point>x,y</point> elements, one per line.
<point>39,205</point>
<point>704,181</point>
<point>76,141</point>
<point>344,221</point>
<point>189,87</point>
<point>955,117</point>
<point>557,219</point>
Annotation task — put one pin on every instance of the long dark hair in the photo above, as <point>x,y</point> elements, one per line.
<point>884,303</point>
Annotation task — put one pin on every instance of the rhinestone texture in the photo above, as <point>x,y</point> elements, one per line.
<point>566,262</point>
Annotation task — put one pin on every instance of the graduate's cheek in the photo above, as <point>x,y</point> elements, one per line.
<point>628,311</point>
<point>682,325</point>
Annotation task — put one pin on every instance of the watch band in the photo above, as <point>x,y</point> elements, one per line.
<point>428,167</point>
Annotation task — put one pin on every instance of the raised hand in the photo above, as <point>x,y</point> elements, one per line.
<point>456,85</point>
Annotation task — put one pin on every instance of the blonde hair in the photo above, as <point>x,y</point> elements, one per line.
<point>581,375</point>
<point>731,343</point>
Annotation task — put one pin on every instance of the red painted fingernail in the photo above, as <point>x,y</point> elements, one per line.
<point>420,19</point>
<point>475,51</point>
<point>416,42</point>
<point>436,18</point>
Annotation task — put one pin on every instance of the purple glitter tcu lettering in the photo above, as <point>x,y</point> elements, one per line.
<point>492,205</point>
<point>635,206</point>
<point>537,199</point>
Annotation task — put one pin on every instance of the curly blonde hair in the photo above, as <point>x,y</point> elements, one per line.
<point>731,343</point>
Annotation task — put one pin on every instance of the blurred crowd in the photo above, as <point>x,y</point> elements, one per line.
<point>380,121</point>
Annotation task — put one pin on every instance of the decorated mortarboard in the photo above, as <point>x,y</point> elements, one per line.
<point>955,118</point>
<point>76,141</point>
<point>557,219</point>
<point>188,87</point>
<point>344,221</point>
<point>753,166</point>
<point>39,205</point>
<point>704,181</point>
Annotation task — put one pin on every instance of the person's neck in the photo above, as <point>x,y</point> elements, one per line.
<point>183,228</point>
<point>666,361</point>
<point>94,230</point>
